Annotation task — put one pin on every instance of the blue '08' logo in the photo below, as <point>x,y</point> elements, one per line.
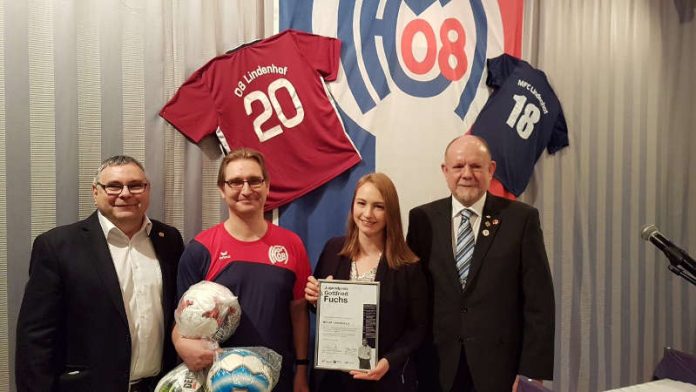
<point>409,43</point>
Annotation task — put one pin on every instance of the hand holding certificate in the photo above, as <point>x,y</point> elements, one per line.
<point>373,250</point>
<point>347,325</point>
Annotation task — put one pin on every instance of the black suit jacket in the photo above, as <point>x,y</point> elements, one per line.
<point>402,312</point>
<point>504,317</point>
<point>72,331</point>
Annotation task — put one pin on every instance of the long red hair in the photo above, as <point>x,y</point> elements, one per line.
<point>396,251</point>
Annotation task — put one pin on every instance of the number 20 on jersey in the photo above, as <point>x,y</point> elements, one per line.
<point>271,105</point>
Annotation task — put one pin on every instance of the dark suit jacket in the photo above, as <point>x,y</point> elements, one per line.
<point>504,317</point>
<point>402,312</point>
<point>72,331</point>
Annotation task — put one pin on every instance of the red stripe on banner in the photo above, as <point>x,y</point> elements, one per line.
<point>511,13</point>
<point>498,189</point>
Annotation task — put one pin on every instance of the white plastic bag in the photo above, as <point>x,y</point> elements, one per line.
<point>244,369</point>
<point>181,379</point>
<point>208,310</point>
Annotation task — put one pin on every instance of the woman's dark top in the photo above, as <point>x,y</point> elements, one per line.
<point>402,322</point>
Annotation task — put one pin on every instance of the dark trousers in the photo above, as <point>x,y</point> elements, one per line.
<point>462,380</point>
<point>144,385</point>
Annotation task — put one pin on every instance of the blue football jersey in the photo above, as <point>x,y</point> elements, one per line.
<point>521,118</point>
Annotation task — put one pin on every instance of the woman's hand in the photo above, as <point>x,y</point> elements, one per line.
<point>375,374</point>
<point>311,291</point>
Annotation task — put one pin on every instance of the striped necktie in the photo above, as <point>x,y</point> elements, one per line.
<point>465,246</point>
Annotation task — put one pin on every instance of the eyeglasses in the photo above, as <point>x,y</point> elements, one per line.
<point>116,189</point>
<point>238,183</point>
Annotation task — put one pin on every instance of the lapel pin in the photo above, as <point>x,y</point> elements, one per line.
<point>485,232</point>
<point>161,234</point>
<point>487,223</point>
<point>488,217</point>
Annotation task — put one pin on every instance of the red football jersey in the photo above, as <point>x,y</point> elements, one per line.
<point>269,95</point>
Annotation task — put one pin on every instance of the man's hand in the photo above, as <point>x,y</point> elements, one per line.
<point>375,374</point>
<point>300,383</point>
<point>197,354</point>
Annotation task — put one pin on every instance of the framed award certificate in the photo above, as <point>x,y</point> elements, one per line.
<point>347,325</point>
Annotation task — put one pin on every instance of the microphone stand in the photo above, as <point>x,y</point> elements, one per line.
<point>679,270</point>
<point>683,266</point>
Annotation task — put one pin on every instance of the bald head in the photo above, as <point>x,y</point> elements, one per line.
<point>468,168</point>
<point>469,139</point>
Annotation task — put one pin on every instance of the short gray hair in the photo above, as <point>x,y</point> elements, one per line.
<point>116,160</point>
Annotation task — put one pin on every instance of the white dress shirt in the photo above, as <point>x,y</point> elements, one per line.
<point>474,220</point>
<point>140,278</point>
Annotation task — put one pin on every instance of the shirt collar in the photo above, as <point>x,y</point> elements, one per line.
<point>477,207</point>
<point>108,226</point>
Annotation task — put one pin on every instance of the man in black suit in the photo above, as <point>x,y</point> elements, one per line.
<point>99,304</point>
<point>491,290</point>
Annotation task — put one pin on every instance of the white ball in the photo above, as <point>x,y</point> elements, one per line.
<point>208,310</point>
<point>246,369</point>
<point>180,379</point>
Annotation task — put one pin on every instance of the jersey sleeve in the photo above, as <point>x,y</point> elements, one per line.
<point>192,109</point>
<point>322,53</point>
<point>559,135</point>
<point>193,265</point>
<point>499,69</point>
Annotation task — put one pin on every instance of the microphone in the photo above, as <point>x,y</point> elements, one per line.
<point>677,256</point>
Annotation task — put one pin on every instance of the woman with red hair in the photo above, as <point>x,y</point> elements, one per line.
<point>374,249</point>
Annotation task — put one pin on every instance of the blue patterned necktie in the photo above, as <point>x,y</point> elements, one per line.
<point>465,246</point>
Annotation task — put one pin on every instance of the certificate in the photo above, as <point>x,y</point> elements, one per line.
<point>347,325</point>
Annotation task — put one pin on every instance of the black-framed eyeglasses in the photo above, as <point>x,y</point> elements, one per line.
<point>238,183</point>
<point>116,188</point>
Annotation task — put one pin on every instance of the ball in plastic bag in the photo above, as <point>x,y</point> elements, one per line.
<point>253,369</point>
<point>181,379</point>
<point>208,310</point>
